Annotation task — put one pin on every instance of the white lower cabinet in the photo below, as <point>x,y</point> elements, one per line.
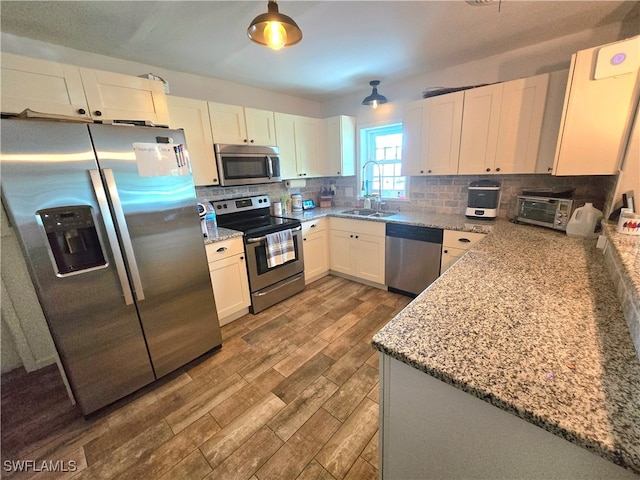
<point>455,244</point>
<point>227,268</point>
<point>316,249</point>
<point>357,249</point>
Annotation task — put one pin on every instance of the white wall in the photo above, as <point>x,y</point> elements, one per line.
<point>180,84</point>
<point>26,340</point>
<point>543,57</point>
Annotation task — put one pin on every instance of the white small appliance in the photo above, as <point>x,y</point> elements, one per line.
<point>484,198</point>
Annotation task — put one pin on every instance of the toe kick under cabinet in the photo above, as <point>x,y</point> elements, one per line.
<point>227,268</point>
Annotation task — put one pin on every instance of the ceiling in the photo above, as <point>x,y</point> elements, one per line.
<point>345,44</point>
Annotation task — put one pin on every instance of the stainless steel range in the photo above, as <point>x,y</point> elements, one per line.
<point>251,215</point>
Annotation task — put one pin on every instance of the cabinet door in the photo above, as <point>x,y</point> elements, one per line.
<point>308,146</point>
<point>230,285</point>
<point>286,141</point>
<point>443,126</point>
<point>316,258</point>
<point>113,96</point>
<point>480,124</point>
<point>597,115</point>
<point>193,116</point>
<point>340,156</point>
<point>42,86</point>
<point>523,103</point>
<point>340,251</point>
<point>260,127</point>
<point>412,131</point>
<point>449,257</point>
<point>227,123</point>
<point>369,257</point>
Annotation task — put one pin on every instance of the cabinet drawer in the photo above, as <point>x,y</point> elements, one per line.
<point>224,249</point>
<point>312,226</point>
<point>462,240</point>
<point>366,227</point>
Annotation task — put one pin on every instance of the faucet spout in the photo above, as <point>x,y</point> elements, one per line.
<point>364,166</point>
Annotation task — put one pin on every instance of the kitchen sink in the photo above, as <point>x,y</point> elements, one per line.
<point>365,212</point>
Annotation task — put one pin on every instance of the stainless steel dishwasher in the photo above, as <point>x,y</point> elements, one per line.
<point>412,257</point>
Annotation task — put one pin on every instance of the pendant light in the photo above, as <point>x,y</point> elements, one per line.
<point>274,29</point>
<point>375,98</point>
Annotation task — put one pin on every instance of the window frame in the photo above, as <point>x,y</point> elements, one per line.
<point>367,139</point>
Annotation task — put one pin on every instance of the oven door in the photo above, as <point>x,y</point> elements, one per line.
<point>260,275</point>
<point>538,211</point>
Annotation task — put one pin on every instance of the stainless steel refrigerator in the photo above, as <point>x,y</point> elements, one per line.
<point>108,222</point>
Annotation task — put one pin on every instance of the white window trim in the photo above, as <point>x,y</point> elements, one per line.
<point>362,152</point>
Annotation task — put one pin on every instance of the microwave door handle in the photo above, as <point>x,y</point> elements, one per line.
<point>101,196</point>
<point>269,166</point>
<point>124,232</point>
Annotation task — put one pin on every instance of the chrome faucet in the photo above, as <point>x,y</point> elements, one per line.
<point>379,199</point>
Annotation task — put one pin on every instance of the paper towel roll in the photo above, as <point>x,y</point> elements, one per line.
<point>296,183</point>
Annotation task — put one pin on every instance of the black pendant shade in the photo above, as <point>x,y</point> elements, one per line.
<point>375,98</point>
<point>273,29</point>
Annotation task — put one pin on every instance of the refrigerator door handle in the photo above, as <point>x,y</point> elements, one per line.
<point>124,232</point>
<point>101,196</point>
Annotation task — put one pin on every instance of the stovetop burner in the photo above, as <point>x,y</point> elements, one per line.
<point>251,215</point>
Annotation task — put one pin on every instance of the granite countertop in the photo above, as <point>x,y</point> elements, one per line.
<point>220,233</point>
<point>436,220</point>
<point>529,321</point>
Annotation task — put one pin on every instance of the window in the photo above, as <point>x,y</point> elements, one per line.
<point>382,145</point>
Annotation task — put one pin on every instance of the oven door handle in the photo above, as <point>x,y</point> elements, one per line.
<point>264,237</point>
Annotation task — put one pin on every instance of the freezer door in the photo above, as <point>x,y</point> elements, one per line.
<point>151,189</point>
<point>50,199</point>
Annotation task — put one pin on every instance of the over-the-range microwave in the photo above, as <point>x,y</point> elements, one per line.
<point>546,211</point>
<point>247,164</point>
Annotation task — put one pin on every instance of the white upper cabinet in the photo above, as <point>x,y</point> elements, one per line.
<point>113,96</point>
<point>521,115</point>
<point>300,141</point>
<point>341,146</point>
<point>480,126</point>
<point>599,108</point>
<point>42,86</point>
<point>193,116</point>
<point>238,125</point>
<point>59,89</point>
<point>431,142</point>
<point>502,126</point>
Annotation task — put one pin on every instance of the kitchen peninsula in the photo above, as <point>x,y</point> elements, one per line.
<point>529,322</point>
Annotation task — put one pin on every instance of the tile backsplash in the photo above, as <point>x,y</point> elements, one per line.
<point>437,194</point>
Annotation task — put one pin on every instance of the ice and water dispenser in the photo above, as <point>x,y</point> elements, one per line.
<point>74,244</point>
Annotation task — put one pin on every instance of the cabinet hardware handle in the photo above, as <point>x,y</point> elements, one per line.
<point>549,169</point>
<point>252,140</point>
<point>241,258</point>
<point>356,236</point>
<point>304,239</point>
<point>82,111</point>
<point>498,169</point>
<point>464,240</point>
<point>351,236</point>
<point>222,249</point>
<point>97,113</point>
<point>428,171</point>
<point>244,140</point>
<point>313,226</point>
<point>421,171</point>
<point>338,173</point>
<point>445,251</point>
<point>488,169</point>
<point>215,180</point>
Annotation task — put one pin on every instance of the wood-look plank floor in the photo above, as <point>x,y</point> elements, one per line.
<point>292,394</point>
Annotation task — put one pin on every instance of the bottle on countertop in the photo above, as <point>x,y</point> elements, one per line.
<point>583,221</point>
